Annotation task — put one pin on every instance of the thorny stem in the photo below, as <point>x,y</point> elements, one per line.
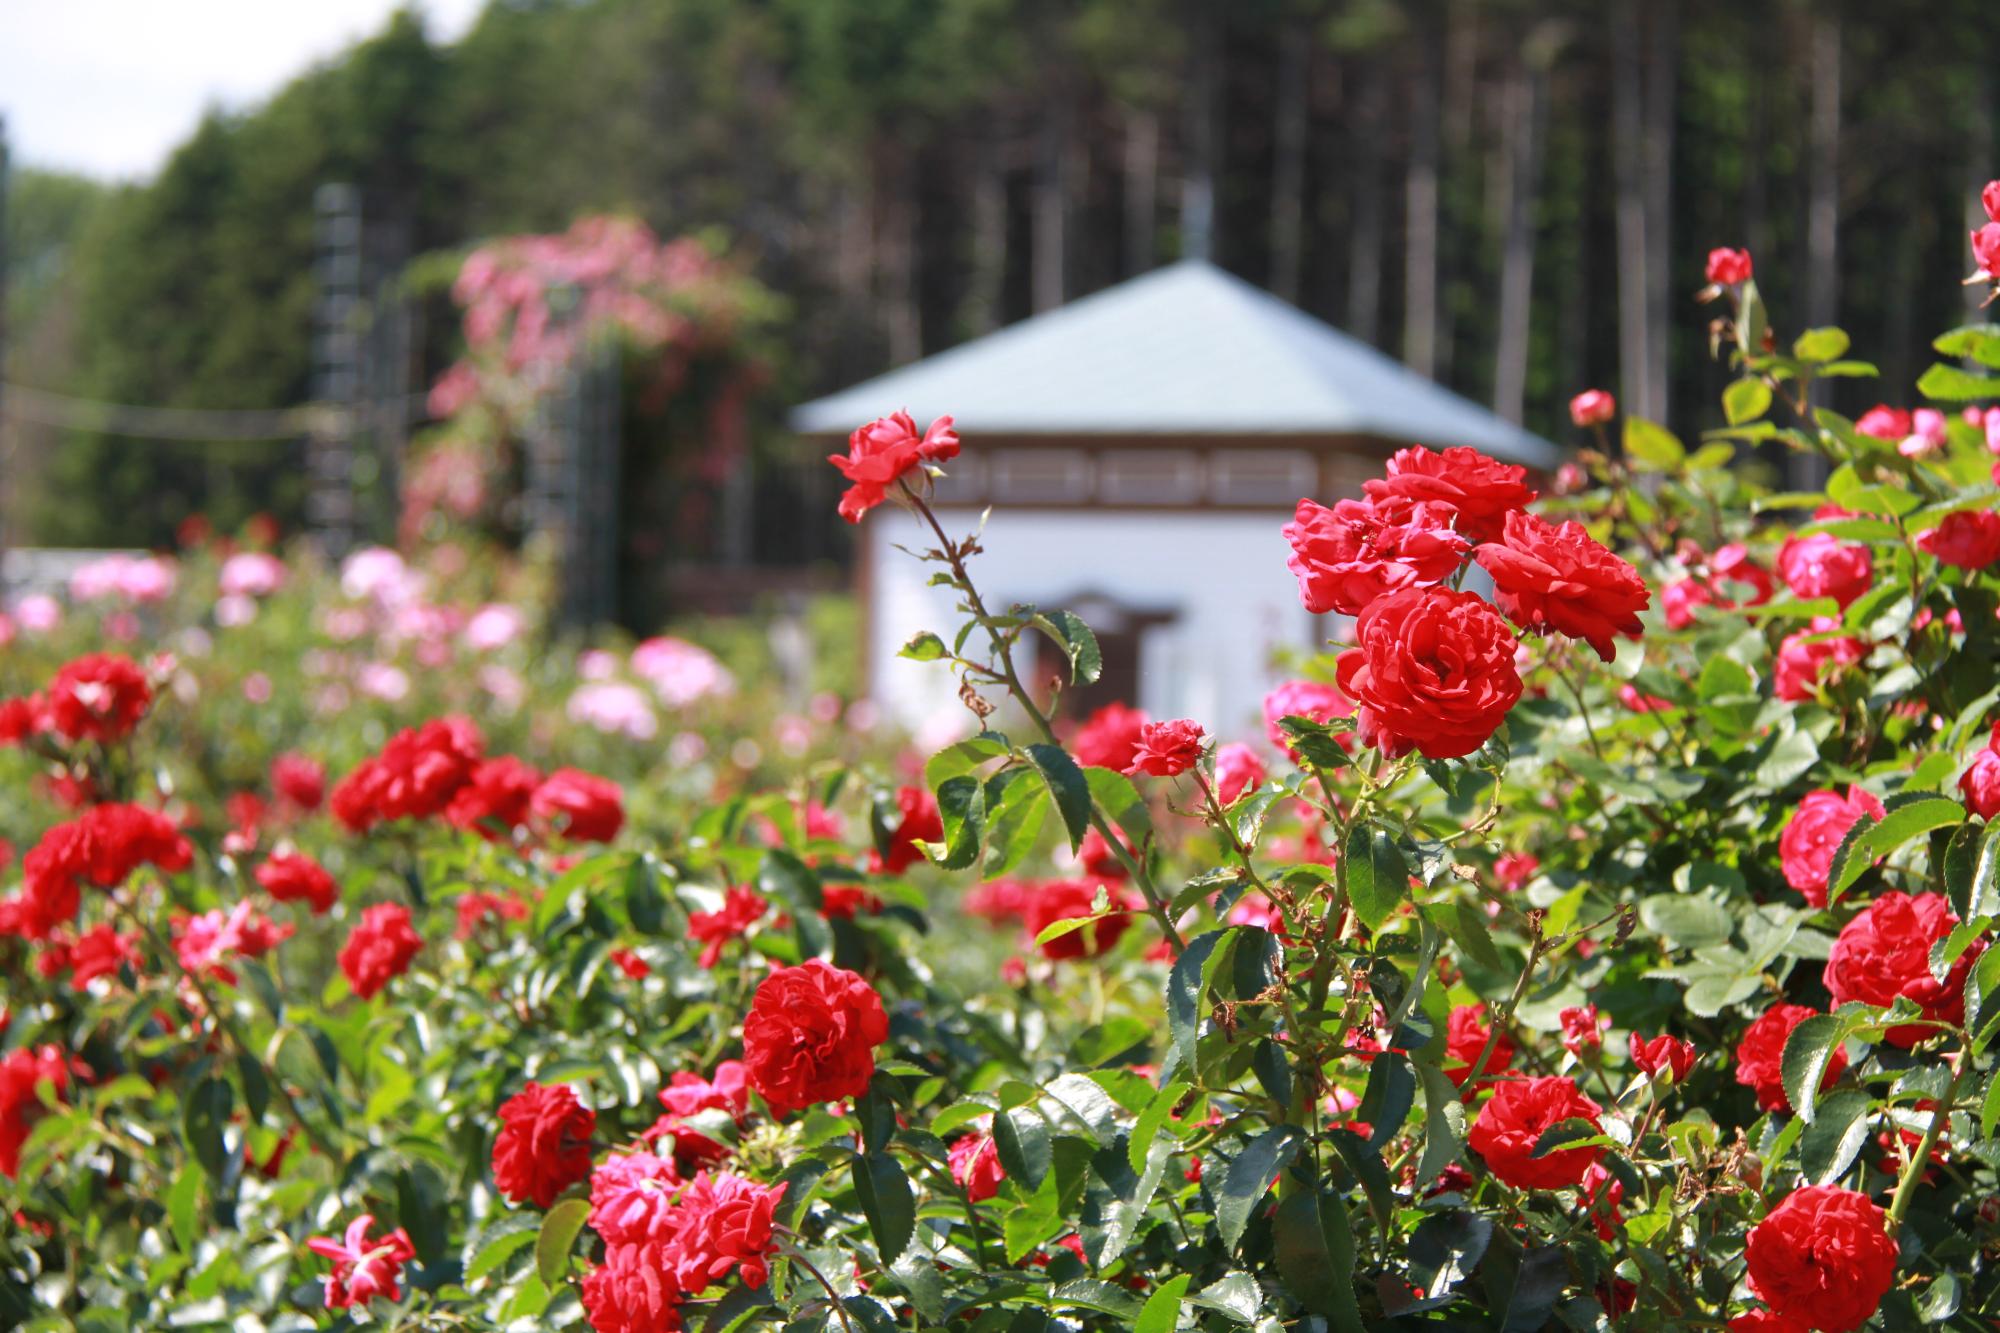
<point>1913,1170</point>
<point>1003,654</point>
<point>1501,1021</point>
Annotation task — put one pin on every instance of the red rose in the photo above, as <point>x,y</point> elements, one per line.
<point>1883,422</point>
<point>1109,737</point>
<point>1968,538</point>
<point>811,1035</point>
<point>1513,1121</point>
<point>21,1070</point>
<point>1347,556</point>
<point>98,697</point>
<point>494,800</point>
<point>1885,952</point>
<point>1433,670</point>
<point>1760,1055</point>
<point>1821,565</point>
<point>1237,770</point>
<point>1308,699</point>
<point>23,719</point>
<point>723,1227</point>
<point>1167,749</point>
<point>292,876</point>
<point>1804,656</point>
<point>631,964</point>
<point>741,909</point>
<point>1481,491</point>
<point>300,780</point>
<point>543,1146</point>
<point>379,948</point>
<point>204,944</point>
<point>629,1292</point>
<point>688,1095</point>
<point>1808,843</point>
<point>1986,249</point>
<point>975,1165</point>
<point>362,1268</point>
<point>580,806</point>
<point>1582,1029</point>
<point>1765,1321</point>
<point>884,451</point>
<point>1561,578</point>
<point>100,952</point>
<point>1070,900</point>
<point>632,1199</point>
<point>1465,1035</point>
<point>1823,1257</point>
<point>415,776</point>
<point>1728,267</point>
<point>1980,783</point>
<point>920,822</point>
<point>1666,1052</point>
<point>1592,407</point>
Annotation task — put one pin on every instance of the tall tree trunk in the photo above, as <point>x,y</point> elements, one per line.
<point>1420,216</point>
<point>1142,189</point>
<point>1525,109</point>
<point>1662,90</point>
<point>1364,235</point>
<point>1628,183</point>
<point>1288,175</point>
<point>1198,174</point>
<point>1051,207</point>
<point>989,238</point>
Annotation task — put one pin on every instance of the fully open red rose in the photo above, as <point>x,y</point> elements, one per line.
<point>543,1146</point>
<point>1819,564</point>
<point>920,822</point>
<point>363,1267</point>
<point>1347,556</point>
<point>1070,900</point>
<point>380,948</point>
<point>1808,843</point>
<point>1109,737</point>
<point>1823,1257</point>
<point>1466,1033</point>
<point>415,776</point>
<point>1968,538</point>
<point>1433,670</point>
<point>1885,952</point>
<point>294,876</point>
<point>1760,1056</point>
<point>1547,577</point>
<point>580,806</point>
<point>1168,749</point>
<point>811,1035</point>
<point>1765,1321</point>
<point>1481,491</point>
<point>1513,1121</point>
<point>1805,655</point>
<point>98,697</point>
<point>631,1292</point>
<point>494,800</point>
<point>724,1227</point>
<point>882,452</point>
<point>1728,266</point>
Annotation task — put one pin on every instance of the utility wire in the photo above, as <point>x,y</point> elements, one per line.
<point>275,425</point>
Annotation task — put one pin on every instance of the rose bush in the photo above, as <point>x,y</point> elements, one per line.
<point>1606,951</point>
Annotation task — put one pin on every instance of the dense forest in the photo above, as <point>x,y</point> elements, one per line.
<point>1513,195</point>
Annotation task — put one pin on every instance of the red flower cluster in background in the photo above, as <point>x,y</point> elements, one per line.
<point>379,949</point>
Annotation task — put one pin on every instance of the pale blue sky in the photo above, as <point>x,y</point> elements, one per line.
<point>109,87</point>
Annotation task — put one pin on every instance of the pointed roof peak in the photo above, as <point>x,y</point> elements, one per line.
<point>1185,349</point>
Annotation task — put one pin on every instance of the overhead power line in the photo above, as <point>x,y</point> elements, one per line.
<point>252,425</point>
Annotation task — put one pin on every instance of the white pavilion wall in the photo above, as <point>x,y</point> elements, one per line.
<point>1221,575</point>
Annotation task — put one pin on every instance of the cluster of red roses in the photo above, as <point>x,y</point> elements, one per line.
<point>98,697</point>
<point>440,769</point>
<point>809,1038</point>
<point>1432,667</point>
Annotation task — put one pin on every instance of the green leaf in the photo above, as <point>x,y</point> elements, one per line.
<point>1444,1124</point>
<point>1911,816</point>
<point>1975,342</point>
<point>1067,785</point>
<point>963,757</point>
<point>888,1203</point>
<point>1807,1052</point>
<point>962,805</point>
<point>1972,871</point>
<point>1949,384</point>
<point>1079,644</point>
<point>1745,400</point>
<point>183,1202</point>
<point>1162,1311</point>
<point>1184,992</point>
<point>1378,880</point>
<point>498,1249</point>
<point>1836,1134</point>
<point>1240,1185</point>
<point>1017,806</point>
<point>1313,1248</point>
<point>1850,859</point>
<point>202,1119</point>
<point>1827,344</point>
<point>1687,921</point>
<point>558,1237</point>
<point>1652,445</point>
<point>1022,1140</point>
<point>924,647</point>
<point>1121,803</point>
